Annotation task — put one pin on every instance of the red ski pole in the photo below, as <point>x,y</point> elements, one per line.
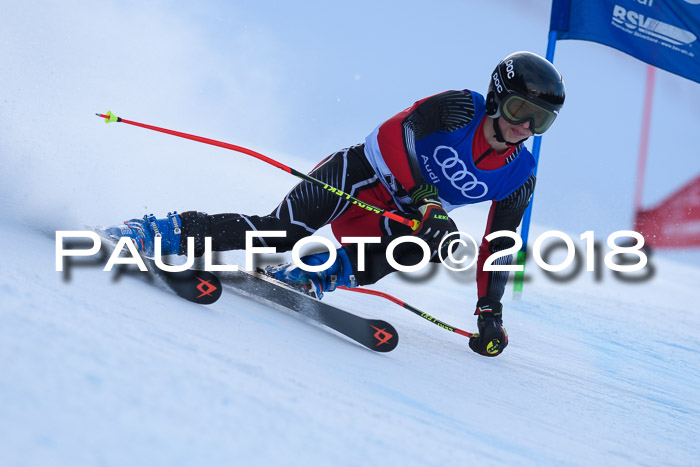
<point>412,223</point>
<point>410,308</point>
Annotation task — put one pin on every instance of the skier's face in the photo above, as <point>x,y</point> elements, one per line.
<point>515,133</point>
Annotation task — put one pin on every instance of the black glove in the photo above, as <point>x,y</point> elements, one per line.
<point>492,337</point>
<point>435,223</point>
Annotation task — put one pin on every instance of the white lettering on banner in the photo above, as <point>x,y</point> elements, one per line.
<point>632,21</point>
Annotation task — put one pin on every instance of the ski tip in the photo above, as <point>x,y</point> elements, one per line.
<point>385,338</point>
<point>201,287</point>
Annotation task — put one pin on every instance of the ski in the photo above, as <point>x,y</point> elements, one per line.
<point>196,286</point>
<point>375,334</point>
<point>201,287</point>
<point>205,288</point>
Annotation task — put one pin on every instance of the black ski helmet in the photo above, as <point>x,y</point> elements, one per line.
<point>525,86</point>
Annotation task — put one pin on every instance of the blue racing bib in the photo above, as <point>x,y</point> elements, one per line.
<point>446,160</point>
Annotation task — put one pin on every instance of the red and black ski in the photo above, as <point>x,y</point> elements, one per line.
<point>375,334</point>
<point>205,288</point>
<point>201,287</point>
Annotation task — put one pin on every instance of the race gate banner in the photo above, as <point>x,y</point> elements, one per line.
<point>675,222</point>
<point>662,33</point>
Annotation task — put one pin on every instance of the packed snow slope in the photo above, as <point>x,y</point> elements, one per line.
<point>105,370</point>
<point>102,370</point>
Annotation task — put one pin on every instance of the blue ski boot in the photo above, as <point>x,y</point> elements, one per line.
<point>143,233</point>
<point>316,283</point>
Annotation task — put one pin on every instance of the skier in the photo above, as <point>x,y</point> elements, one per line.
<point>448,150</point>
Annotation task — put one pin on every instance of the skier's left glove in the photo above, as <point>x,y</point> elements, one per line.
<point>492,337</point>
<point>434,223</point>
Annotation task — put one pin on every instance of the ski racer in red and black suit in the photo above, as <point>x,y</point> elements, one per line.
<point>448,150</point>
<point>450,112</point>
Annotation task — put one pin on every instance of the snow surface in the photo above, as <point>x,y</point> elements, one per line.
<point>100,371</point>
<point>106,370</point>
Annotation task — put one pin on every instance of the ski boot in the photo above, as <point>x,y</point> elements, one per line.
<point>316,284</point>
<point>143,233</point>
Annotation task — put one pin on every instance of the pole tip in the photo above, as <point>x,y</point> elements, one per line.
<point>109,117</point>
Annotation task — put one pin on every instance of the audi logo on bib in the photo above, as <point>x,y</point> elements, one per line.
<point>455,170</point>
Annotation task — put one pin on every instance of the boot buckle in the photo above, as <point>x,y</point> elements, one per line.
<point>176,224</point>
<point>334,282</point>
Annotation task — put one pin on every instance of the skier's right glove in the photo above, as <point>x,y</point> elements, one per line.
<point>492,337</point>
<point>435,223</point>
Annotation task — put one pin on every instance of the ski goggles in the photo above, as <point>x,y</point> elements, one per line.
<point>516,109</point>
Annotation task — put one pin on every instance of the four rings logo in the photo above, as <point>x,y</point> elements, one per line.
<point>631,21</point>
<point>455,170</point>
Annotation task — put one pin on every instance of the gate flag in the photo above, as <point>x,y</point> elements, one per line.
<point>662,33</point>
<point>675,222</point>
